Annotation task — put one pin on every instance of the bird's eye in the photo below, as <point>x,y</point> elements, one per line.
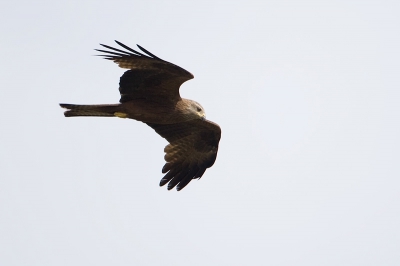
<point>198,109</point>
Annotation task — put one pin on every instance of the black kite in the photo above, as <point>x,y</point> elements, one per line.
<point>150,94</point>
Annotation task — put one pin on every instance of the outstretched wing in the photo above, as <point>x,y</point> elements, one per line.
<point>149,76</point>
<point>192,148</point>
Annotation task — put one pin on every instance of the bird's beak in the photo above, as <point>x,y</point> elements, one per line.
<point>203,118</point>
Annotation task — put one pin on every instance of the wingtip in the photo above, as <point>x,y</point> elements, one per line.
<point>163,182</point>
<point>120,43</point>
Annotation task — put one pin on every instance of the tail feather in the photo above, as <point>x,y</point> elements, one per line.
<point>89,110</point>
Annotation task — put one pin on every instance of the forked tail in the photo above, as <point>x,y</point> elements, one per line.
<point>89,110</point>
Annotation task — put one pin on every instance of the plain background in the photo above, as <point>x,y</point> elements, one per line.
<point>306,93</point>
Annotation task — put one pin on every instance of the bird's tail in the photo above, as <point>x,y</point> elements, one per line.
<point>90,110</point>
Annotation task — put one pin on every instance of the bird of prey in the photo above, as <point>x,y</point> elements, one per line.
<point>150,94</point>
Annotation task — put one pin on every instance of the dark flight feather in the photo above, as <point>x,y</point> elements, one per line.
<point>147,52</point>
<point>129,49</point>
<point>115,49</point>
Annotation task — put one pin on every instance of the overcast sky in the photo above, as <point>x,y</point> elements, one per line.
<point>307,96</point>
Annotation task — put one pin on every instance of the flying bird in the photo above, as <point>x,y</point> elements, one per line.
<point>150,94</point>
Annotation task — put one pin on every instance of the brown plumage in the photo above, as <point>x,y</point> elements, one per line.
<point>150,94</point>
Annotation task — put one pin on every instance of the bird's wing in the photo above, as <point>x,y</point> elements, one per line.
<point>192,148</point>
<point>148,77</point>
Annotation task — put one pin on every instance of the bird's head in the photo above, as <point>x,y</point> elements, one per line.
<point>198,110</point>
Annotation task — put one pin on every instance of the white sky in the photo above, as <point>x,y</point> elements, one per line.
<point>307,95</point>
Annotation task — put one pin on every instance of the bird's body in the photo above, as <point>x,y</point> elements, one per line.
<point>141,110</point>
<point>150,94</point>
